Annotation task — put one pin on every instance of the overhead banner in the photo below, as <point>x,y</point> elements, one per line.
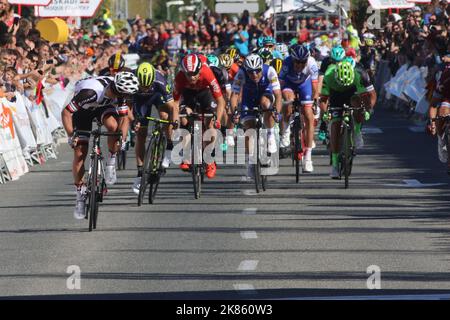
<point>30,2</point>
<point>420,1</point>
<point>391,4</point>
<point>68,8</point>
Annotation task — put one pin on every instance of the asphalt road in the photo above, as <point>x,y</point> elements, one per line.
<point>314,239</point>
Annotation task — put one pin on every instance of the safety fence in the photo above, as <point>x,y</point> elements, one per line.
<point>406,91</point>
<point>29,131</point>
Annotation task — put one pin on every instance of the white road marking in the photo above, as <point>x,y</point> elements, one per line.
<point>413,183</point>
<point>248,265</point>
<point>249,192</point>
<point>249,211</point>
<point>249,235</point>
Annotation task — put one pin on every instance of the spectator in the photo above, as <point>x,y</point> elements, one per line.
<point>173,44</point>
<point>241,39</point>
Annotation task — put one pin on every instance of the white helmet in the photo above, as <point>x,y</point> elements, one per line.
<point>126,82</point>
<point>253,62</point>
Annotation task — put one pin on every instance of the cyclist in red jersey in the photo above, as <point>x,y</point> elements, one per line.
<point>196,83</point>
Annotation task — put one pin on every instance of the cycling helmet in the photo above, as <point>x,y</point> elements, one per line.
<point>145,74</point>
<point>212,60</point>
<point>344,73</point>
<point>350,59</point>
<point>266,55</point>
<point>225,60</point>
<point>269,40</point>
<point>232,52</point>
<point>277,64</point>
<point>126,83</point>
<point>253,62</point>
<point>116,61</point>
<point>283,49</point>
<point>260,42</point>
<point>369,42</point>
<point>337,53</point>
<point>299,53</point>
<point>191,64</point>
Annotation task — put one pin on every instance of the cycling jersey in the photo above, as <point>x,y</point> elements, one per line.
<point>326,62</point>
<point>253,92</point>
<point>233,71</point>
<point>340,95</point>
<point>365,78</point>
<point>222,77</point>
<point>268,81</point>
<point>290,76</point>
<point>159,94</point>
<point>443,88</point>
<point>90,94</point>
<point>277,54</point>
<point>207,80</point>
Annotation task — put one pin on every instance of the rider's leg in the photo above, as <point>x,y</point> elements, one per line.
<point>266,103</point>
<point>288,95</point>
<point>305,93</point>
<point>334,147</point>
<point>111,123</point>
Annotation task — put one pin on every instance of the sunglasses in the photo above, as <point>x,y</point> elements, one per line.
<point>257,71</point>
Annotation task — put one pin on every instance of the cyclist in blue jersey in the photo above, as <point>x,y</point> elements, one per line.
<point>259,86</point>
<point>299,75</point>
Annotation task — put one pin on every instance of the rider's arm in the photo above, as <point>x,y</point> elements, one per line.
<point>324,94</point>
<point>276,88</point>
<point>314,70</point>
<point>66,118</point>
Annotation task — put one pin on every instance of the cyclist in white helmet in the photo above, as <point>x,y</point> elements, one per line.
<point>104,99</point>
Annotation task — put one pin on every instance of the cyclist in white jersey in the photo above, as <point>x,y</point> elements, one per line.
<point>104,99</point>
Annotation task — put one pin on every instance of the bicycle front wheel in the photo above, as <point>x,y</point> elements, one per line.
<point>146,171</point>
<point>196,180</point>
<point>93,205</point>
<point>156,168</point>
<point>346,156</point>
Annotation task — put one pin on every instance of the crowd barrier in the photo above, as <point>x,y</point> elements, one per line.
<point>405,91</point>
<point>29,131</point>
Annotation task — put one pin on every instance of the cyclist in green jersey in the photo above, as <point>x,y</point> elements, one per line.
<point>341,82</point>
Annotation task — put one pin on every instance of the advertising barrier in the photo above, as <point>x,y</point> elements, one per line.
<point>28,131</point>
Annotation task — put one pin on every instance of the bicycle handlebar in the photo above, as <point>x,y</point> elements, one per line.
<point>97,132</point>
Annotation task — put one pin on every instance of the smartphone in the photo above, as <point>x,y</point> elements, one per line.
<point>16,20</point>
<point>49,61</point>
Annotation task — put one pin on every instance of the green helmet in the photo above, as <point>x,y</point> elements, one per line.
<point>212,60</point>
<point>266,55</point>
<point>337,53</point>
<point>145,74</point>
<point>344,73</point>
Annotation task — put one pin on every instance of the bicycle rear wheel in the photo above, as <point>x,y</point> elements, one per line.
<point>156,167</point>
<point>298,151</point>
<point>347,155</point>
<point>146,171</point>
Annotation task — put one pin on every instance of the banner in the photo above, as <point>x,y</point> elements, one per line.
<point>30,2</point>
<point>69,8</point>
<point>10,145</point>
<point>391,4</point>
